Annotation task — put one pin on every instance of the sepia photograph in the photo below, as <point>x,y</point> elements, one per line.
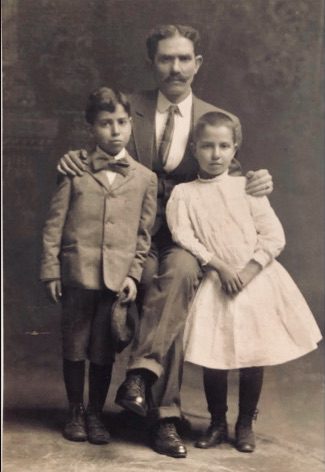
<point>163,236</point>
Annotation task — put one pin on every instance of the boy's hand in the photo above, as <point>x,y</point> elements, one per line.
<point>128,291</point>
<point>259,183</point>
<point>231,282</point>
<point>53,290</point>
<point>249,272</point>
<point>72,163</point>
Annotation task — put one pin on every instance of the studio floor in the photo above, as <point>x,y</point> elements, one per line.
<point>289,428</point>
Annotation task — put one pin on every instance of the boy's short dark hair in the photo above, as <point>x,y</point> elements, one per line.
<point>105,99</point>
<point>216,118</point>
<point>168,31</point>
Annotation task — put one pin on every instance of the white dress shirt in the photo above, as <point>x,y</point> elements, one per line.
<point>181,130</point>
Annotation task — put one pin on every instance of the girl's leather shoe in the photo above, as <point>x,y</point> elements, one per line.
<point>245,437</point>
<point>216,433</point>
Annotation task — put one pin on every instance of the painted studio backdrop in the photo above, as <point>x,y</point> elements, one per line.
<point>262,61</point>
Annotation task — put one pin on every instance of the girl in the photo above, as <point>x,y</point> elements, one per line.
<point>248,312</point>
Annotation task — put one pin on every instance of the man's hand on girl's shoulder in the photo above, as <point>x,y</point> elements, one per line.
<point>259,183</point>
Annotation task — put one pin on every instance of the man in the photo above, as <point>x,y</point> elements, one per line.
<point>161,136</point>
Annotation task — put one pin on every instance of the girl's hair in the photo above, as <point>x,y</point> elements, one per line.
<point>216,118</point>
<point>169,31</point>
<point>105,99</point>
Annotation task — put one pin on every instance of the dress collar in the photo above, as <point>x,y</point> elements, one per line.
<point>217,178</point>
<point>184,106</point>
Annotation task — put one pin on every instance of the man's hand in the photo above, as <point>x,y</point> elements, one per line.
<point>230,281</point>
<point>259,183</point>
<point>53,290</point>
<point>72,163</point>
<point>249,272</point>
<point>128,291</point>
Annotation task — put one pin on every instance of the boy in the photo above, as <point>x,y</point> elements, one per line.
<point>95,242</point>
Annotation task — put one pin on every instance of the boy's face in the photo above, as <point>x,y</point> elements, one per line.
<point>112,130</point>
<point>174,66</point>
<point>214,150</point>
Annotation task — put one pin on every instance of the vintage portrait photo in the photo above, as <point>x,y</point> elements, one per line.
<point>163,236</point>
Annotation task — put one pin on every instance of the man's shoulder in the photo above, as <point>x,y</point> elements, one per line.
<point>205,107</point>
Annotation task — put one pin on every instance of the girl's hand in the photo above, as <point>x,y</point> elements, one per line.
<point>230,281</point>
<point>128,291</point>
<point>53,290</point>
<point>72,163</point>
<point>259,183</point>
<point>249,272</point>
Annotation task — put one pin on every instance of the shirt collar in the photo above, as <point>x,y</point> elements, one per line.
<point>185,106</point>
<point>118,156</point>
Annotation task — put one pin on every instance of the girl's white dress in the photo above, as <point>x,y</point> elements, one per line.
<point>269,321</point>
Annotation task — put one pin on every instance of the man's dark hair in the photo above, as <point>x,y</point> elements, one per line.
<point>105,99</point>
<point>216,118</point>
<point>168,31</point>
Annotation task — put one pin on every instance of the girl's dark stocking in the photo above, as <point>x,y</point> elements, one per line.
<point>215,387</point>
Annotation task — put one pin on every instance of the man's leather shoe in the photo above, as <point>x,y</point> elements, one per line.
<point>97,433</point>
<point>75,427</point>
<point>132,394</point>
<point>165,440</point>
<point>216,433</point>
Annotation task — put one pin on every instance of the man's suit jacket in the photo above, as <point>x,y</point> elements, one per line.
<point>142,145</point>
<point>96,233</point>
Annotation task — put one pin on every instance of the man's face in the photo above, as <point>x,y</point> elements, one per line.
<point>112,130</point>
<point>175,66</point>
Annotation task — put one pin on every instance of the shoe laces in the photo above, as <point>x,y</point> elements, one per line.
<point>169,429</point>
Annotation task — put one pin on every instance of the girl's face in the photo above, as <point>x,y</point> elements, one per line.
<point>214,150</point>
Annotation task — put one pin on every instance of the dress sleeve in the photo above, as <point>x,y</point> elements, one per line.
<point>181,227</point>
<point>270,234</point>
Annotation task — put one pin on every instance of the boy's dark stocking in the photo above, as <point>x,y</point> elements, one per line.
<point>250,386</point>
<point>74,377</point>
<point>215,387</point>
<point>99,381</point>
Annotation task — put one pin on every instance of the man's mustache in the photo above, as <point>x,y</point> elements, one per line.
<point>179,77</point>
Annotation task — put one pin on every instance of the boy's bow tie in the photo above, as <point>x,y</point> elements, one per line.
<point>102,162</point>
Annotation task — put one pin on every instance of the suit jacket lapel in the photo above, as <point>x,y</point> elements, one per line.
<point>143,115</point>
<point>121,180</point>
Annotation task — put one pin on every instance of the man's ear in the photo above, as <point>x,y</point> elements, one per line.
<point>198,62</point>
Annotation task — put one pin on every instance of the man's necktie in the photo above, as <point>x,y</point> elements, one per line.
<point>102,162</point>
<point>167,136</point>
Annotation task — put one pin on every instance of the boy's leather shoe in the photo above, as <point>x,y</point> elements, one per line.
<point>245,437</point>
<point>165,440</point>
<point>216,433</point>
<point>132,394</point>
<point>97,433</point>
<point>75,427</point>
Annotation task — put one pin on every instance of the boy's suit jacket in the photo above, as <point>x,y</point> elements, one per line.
<point>96,233</point>
<point>142,145</point>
